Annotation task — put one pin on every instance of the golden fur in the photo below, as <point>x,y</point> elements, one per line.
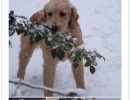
<point>64,15</point>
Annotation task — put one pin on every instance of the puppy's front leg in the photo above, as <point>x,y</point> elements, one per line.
<point>78,74</point>
<point>49,68</point>
<point>26,51</point>
<point>49,76</point>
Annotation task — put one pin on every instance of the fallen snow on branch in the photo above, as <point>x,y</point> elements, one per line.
<point>67,92</point>
<point>13,91</point>
<point>82,46</point>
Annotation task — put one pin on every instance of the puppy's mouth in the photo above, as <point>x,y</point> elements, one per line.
<point>54,29</point>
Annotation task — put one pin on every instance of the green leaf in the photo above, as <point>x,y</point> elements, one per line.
<point>93,58</point>
<point>92,69</point>
<point>38,38</point>
<point>19,31</point>
<point>54,53</point>
<point>26,33</point>
<point>31,40</point>
<point>99,56</point>
<point>77,53</point>
<point>46,31</point>
<point>44,36</point>
<point>64,46</point>
<point>47,42</point>
<point>75,62</point>
<point>26,25</point>
<point>70,55</point>
<point>80,58</point>
<point>56,38</point>
<point>12,20</point>
<point>103,58</point>
<point>87,63</point>
<point>87,59</point>
<point>82,55</point>
<point>60,54</point>
<point>48,46</point>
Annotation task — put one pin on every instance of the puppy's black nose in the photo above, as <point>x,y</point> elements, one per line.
<point>54,29</point>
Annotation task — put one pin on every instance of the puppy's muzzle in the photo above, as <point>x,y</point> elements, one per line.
<point>54,29</point>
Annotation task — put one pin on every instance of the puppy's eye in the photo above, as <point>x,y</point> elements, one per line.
<point>49,14</point>
<point>62,14</point>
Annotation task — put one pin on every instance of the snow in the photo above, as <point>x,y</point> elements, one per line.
<point>68,37</point>
<point>82,46</point>
<point>78,91</point>
<point>56,46</point>
<point>14,88</point>
<point>73,48</point>
<point>100,22</point>
<point>49,39</point>
<point>74,40</point>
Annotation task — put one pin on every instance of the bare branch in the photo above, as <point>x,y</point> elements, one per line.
<point>20,16</point>
<point>15,92</point>
<point>22,82</point>
<point>74,92</point>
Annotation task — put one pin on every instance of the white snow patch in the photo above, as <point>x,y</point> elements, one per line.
<point>78,91</point>
<point>12,89</point>
<point>74,39</point>
<point>82,46</point>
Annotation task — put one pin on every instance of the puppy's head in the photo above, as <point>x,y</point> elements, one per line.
<point>60,13</point>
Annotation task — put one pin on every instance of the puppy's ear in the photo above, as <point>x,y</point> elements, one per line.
<point>73,17</point>
<point>39,17</point>
<point>44,16</point>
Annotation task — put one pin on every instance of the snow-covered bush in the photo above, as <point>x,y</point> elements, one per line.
<point>56,40</point>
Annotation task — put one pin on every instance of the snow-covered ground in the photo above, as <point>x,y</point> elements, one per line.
<point>100,21</point>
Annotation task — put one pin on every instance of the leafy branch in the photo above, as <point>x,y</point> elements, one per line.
<point>59,42</point>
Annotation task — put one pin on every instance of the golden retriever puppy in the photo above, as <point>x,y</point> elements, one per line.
<point>62,14</point>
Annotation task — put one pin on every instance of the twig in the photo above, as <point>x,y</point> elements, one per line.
<point>10,44</point>
<point>18,85</point>
<point>20,16</point>
<point>22,82</point>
